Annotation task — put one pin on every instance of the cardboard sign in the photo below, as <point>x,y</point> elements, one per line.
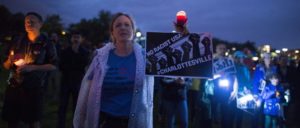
<point>223,66</point>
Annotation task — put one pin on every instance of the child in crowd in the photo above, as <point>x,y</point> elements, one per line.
<point>273,96</point>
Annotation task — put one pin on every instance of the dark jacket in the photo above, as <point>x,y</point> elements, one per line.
<point>72,65</point>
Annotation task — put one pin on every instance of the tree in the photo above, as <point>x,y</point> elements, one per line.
<point>16,23</point>
<point>10,23</point>
<point>250,45</point>
<point>237,45</point>
<point>53,24</point>
<point>95,30</point>
<point>105,18</point>
<point>5,15</point>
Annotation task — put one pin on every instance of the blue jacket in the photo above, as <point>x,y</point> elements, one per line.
<point>271,101</point>
<point>259,75</point>
<point>243,76</point>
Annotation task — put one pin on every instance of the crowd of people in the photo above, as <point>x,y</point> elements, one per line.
<point>272,82</point>
<point>109,88</point>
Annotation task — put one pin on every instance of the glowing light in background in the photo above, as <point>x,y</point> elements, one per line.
<point>138,34</point>
<point>63,33</point>
<point>233,48</point>
<point>255,58</point>
<point>284,49</point>
<point>267,48</point>
<point>227,53</point>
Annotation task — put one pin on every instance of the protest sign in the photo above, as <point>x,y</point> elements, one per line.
<point>174,54</point>
<point>223,66</point>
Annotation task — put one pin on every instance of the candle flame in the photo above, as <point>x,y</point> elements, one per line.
<point>181,13</point>
<point>20,62</point>
<point>12,53</point>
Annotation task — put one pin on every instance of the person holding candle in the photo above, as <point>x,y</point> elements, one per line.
<point>174,89</point>
<point>29,60</point>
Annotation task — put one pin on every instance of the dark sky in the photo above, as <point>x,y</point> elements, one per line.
<point>276,22</point>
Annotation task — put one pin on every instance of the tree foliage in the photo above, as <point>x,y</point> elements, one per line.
<point>95,30</point>
<point>53,24</point>
<point>237,45</point>
<point>10,23</point>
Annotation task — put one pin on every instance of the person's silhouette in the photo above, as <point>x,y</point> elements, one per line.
<point>186,46</point>
<point>195,39</point>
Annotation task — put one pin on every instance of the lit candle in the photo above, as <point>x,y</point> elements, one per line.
<point>19,62</point>
<point>181,18</point>
<point>11,56</point>
<point>12,52</point>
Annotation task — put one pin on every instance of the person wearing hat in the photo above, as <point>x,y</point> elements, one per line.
<point>243,73</point>
<point>243,79</point>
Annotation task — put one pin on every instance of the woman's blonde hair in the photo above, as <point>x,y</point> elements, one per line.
<point>115,17</point>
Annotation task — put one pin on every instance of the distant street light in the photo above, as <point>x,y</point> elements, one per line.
<point>277,51</point>
<point>63,33</point>
<point>267,48</point>
<point>138,34</point>
<point>297,51</point>
<point>284,49</point>
<point>273,54</point>
<point>233,48</point>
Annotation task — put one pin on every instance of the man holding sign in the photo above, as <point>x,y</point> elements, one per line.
<point>225,86</point>
<point>174,56</point>
<point>174,90</point>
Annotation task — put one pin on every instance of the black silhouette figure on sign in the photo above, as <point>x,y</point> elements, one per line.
<point>152,67</point>
<point>195,39</point>
<point>162,63</point>
<point>206,44</point>
<point>177,55</point>
<point>168,51</point>
<point>186,47</point>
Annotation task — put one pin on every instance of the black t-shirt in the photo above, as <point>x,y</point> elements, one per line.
<point>41,52</point>
<point>173,91</point>
<point>73,65</point>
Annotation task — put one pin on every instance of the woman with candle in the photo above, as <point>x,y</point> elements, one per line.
<point>30,58</point>
<point>114,92</point>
